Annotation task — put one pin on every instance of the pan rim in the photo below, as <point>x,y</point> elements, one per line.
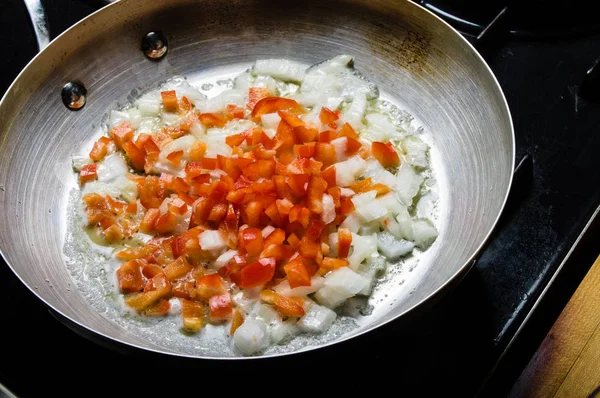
<point>427,300</point>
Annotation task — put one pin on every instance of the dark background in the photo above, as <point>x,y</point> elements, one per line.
<point>473,342</point>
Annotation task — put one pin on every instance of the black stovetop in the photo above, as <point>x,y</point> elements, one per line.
<point>478,338</point>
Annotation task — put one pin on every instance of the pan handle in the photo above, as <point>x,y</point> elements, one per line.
<point>37,14</point>
<point>40,24</point>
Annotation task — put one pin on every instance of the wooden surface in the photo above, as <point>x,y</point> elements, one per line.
<point>567,363</point>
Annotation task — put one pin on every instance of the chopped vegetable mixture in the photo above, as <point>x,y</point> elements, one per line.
<point>262,209</point>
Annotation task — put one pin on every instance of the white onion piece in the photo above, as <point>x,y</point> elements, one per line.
<point>345,281</point>
<point>149,106</point>
<point>333,240</point>
<point>243,81</point>
<point>391,203</point>
<point>415,151</point>
<point>346,192</point>
<point>266,231</point>
<point>224,259</point>
<point>328,214</point>
<point>270,121</point>
<point>135,117</point>
<point>362,248</point>
<point>101,188</point>
<point>282,331</point>
<point>117,117</point>
<point>247,302</point>
<point>220,102</point>
<point>180,144</point>
<point>329,297</point>
<point>352,222</point>
<point>112,167</point>
<point>164,206</point>
<point>317,320</point>
<point>363,199</point>
<point>266,82</point>
<point>174,306</point>
<point>371,211</point>
<point>424,233</point>
<point>334,65</point>
<point>408,185</point>
<point>392,247</point>
<point>211,240</point>
<point>267,314</point>
<point>346,171</point>
<point>340,144</point>
<point>405,225</point>
<point>355,113</point>
<point>78,162</point>
<point>371,276</point>
<point>251,337</point>
<point>382,123</point>
<point>279,68</point>
<point>216,145</point>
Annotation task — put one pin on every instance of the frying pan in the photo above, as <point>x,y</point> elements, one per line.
<point>417,60</point>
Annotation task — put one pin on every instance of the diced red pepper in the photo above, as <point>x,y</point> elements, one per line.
<point>327,116</point>
<point>197,151</point>
<point>314,196</point>
<point>325,153</point>
<point>344,241</point>
<point>315,227</point>
<point>210,285</point>
<point>135,155</point>
<point>251,240</point>
<point>256,94</point>
<point>175,158</point>
<point>147,223</point>
<point>221,307</point>
<point>385,153</point>
<point>100,149</point>
<point>153,192</point>
<point>347,131</point>
<point>291,119</point>
<point>287,306</point>
<point>327,136</point>
<point>306,133</point>
<point>165,223</point>
<point>129,276</point>
<point>273,104</point>
<point>88,173</point>
<point>192,313</point>
<point>212,119</point>
<point>255,274</point>
<point>169,99</point>
<point>121,133</point>
<point>297,273</point>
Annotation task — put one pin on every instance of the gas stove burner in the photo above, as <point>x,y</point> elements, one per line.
<point>535,19</point>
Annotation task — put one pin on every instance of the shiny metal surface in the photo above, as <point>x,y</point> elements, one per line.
<point>416,59</point>
<point>38,20</point>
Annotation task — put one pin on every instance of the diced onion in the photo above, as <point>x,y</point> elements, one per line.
<point>224,259</point>
<point>328,214</point>
<point>211,240</point>
<point>318,319</point>
<point>251,337</point>
<point>391,247</point>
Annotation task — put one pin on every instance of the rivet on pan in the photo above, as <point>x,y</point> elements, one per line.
<point>74,95</point>
<point>154,45</point>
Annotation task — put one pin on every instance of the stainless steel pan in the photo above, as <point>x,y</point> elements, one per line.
<point>415,58</point>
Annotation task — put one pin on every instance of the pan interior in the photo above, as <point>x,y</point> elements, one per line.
<point>418,63</point>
